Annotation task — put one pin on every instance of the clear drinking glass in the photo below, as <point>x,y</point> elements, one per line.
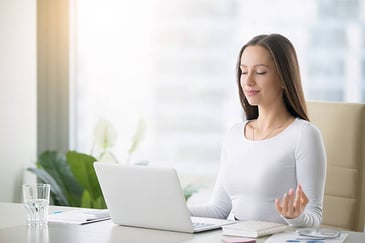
<point>36,202</point>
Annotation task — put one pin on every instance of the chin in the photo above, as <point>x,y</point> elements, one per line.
<point>252,102</point>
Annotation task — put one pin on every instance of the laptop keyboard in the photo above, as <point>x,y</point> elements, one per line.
<point>198,225</point>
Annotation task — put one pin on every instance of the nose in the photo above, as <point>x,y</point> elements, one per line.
<point>247,79</point>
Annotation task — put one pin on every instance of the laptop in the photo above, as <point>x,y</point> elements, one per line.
<point>149,197</point>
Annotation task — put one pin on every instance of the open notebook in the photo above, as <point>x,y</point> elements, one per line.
<point>149,197</point>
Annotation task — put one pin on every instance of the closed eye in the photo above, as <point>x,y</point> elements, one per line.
<point>261,72</point>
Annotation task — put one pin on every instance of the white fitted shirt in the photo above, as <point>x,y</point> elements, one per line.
<point>253,173</point>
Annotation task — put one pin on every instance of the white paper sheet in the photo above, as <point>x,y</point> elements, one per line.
<point>79,216</point>
<point>294,237</point>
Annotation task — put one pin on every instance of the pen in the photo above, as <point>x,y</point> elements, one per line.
<point>307,240</point>
<point>56,212</point>
<point>312,240</point>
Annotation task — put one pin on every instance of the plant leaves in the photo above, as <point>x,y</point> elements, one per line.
<point>99,203</point>
<point>57,167</point>
<point>72,178</point>
<point>82,166</point>
<point>138,136</point>
<point>86,200</point>
<point>189,190</point>
<point>59,197</point>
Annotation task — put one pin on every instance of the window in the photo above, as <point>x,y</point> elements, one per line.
<point>173,64</point>
<point>168,65</point>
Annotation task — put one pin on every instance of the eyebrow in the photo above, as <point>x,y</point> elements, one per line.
<point>257,65</point>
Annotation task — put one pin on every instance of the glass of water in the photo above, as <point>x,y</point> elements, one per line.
<point>36,202</point>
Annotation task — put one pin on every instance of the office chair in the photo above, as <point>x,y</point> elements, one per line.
<point>343,129</point>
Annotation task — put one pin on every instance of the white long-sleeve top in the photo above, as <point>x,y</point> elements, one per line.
<point>253,173</point>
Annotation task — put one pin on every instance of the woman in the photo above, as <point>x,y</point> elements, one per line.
<point>273,164</point>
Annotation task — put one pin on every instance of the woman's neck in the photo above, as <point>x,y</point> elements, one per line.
<point>272,117</point>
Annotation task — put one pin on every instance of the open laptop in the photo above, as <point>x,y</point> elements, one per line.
<point>149,197</point>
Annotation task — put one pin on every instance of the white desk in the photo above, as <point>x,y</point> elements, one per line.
<point>13,229</point>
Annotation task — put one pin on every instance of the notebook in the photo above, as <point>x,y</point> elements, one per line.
<point>253,228</point>
<point>79,216</point>
<point>149,197</point>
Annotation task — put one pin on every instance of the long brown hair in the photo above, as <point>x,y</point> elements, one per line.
<point>286,63</point>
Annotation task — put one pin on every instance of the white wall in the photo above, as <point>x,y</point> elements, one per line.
<point>18,84</point>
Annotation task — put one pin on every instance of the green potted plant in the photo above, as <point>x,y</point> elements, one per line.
<point>72,176</point>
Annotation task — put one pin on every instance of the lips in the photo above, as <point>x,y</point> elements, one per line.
<point>251,92</point>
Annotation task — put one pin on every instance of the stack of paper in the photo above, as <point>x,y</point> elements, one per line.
<point>79,216</point>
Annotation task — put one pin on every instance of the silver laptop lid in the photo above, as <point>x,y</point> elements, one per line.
<point>144,196</point>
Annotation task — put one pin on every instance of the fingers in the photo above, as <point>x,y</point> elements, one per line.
<point>303,198</point>
<point>298,198</point>
<point>284,203</point>
<point>278,205</point>
<point>288,208</point>
<point>291,200</point>
<point>292,204</point>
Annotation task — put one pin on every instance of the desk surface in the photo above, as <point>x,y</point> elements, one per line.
<point>13,229</point>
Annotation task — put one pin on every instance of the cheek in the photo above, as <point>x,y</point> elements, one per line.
<point>279,88</point>
<point>274,85</point>
<point>242,81</point>
<point>277,91</point>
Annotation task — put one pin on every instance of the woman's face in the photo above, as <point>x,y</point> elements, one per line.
<point>259,79</point>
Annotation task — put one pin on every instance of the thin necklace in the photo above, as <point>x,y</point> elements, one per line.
<point>271,131</point>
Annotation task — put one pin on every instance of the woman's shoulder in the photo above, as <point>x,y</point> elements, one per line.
<point>306,128</point>
<point>237,125</point>
<point>306,125</point>
<point>235,129</point>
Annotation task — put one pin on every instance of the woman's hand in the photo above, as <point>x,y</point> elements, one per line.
<point>291,206</point>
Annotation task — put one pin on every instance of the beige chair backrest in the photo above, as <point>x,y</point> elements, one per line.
<point>343,129</point>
